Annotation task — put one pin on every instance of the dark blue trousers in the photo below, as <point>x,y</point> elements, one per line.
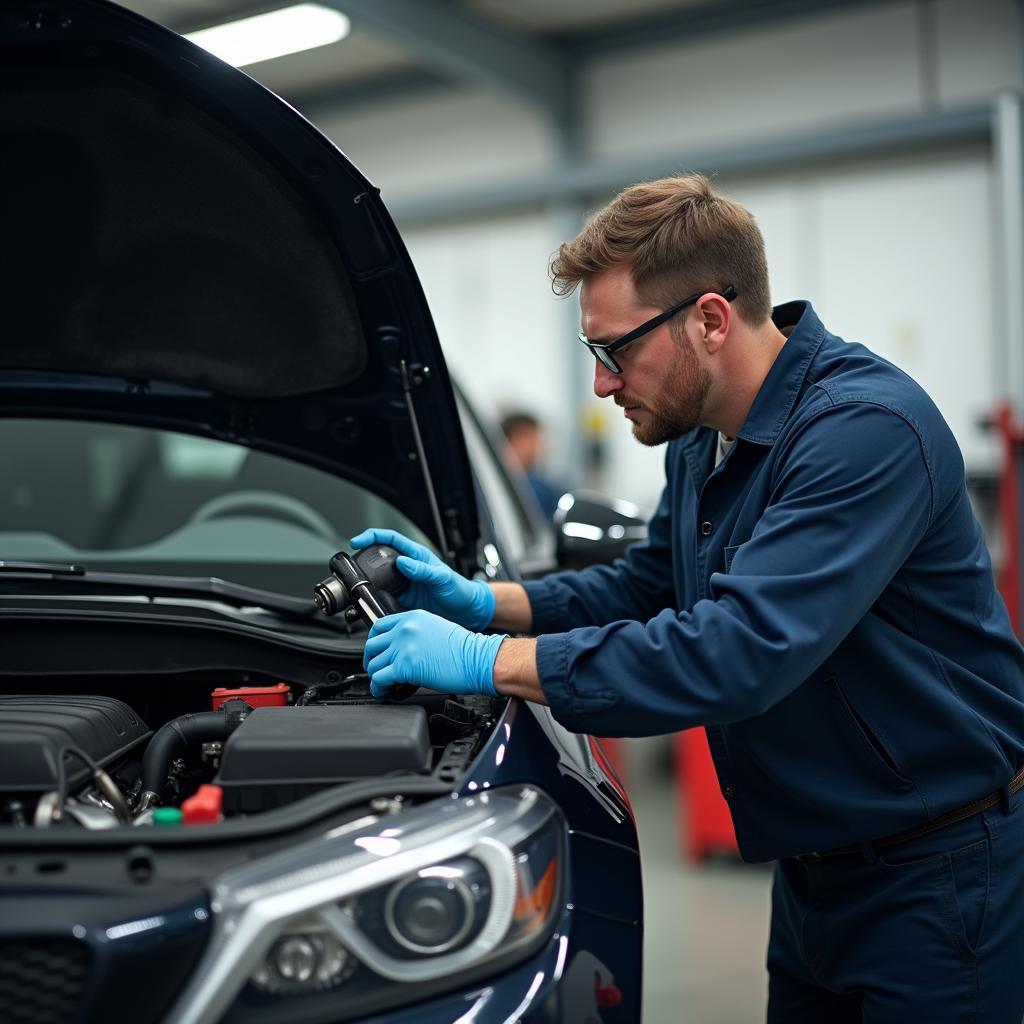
<point>931,930</point>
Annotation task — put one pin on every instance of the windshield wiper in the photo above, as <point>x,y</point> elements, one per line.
<point>46,568</point>
<point>156,586</point>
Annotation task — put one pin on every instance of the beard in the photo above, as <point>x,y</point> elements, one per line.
<point>679,404</point>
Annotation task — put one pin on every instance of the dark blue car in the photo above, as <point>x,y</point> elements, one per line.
<point>216,366</point>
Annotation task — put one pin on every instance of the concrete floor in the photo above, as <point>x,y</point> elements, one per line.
<point>706,924</point>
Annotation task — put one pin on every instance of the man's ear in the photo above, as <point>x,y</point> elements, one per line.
<point>715,315</point>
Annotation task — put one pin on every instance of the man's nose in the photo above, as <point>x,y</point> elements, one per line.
<point>605,382</point>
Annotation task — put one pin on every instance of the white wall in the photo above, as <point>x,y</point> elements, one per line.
<point>494,312</point>
<point>897,252</point>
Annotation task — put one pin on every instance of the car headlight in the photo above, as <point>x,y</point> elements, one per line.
<point>436,911</point>
<point>417,899</point>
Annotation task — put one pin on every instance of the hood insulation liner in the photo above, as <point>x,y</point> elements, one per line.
<point>146,240</point>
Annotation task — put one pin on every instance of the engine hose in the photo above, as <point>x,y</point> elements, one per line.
<point>173,738</point>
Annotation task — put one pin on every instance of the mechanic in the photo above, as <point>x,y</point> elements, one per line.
<point>814,589</point>
<point>524,445</point>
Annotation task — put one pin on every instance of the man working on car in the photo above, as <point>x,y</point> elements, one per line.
<point>815,590</point>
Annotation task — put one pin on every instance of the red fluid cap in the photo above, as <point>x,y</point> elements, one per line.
<point>254,696</point>
<point>203,807</point>
<point>607,995</point>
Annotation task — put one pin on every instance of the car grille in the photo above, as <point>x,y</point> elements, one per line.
<point>42,980</point>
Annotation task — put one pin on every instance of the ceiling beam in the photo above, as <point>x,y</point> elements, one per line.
<point>693,22</point>
<point>468,49</point>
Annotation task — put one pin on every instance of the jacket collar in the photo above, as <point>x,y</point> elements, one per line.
<point>785,380</point>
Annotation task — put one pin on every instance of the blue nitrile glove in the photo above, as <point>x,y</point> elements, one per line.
<point>425,649</point>
<point>434,587</point>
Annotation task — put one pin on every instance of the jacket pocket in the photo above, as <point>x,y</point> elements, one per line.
<point>874,753</point>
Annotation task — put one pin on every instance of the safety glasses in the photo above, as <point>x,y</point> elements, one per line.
<point>604,350</point>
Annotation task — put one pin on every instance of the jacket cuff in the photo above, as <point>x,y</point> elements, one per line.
<point>587,712</point>
<point>542,606</point>
<point>553,669</point>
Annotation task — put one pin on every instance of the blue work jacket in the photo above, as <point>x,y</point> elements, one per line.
<point>822,601</point>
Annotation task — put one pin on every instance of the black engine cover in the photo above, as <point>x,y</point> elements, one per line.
<point>34,729</point>
<point>278,755</point>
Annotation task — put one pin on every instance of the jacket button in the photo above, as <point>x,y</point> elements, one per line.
<point>728,792</point>
<point>706,528</point>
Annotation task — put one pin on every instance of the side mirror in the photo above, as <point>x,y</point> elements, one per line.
<point>591,529</point>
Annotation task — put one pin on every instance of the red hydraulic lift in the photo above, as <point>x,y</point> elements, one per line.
<point>1011,480</point>
<point>704,819</point>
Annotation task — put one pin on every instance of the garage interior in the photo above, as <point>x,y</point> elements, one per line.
<point>879,143</point>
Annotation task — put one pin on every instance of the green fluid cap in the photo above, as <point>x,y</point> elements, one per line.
<point>166,816</point>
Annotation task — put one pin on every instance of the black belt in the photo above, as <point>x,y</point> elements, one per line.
<point>942,821</point>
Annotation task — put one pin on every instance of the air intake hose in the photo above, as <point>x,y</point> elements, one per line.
<point>176,736</point>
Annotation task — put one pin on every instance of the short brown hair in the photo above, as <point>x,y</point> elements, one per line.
<point>677,236</point>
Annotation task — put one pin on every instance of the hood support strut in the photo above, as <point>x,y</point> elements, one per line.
<point>442,537</point>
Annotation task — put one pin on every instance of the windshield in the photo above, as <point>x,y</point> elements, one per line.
<point>134,499</point>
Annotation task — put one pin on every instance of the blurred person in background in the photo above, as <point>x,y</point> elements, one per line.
<point>524,442</point>
<point>814,589</point>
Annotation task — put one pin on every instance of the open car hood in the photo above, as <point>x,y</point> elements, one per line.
<point>184,250</point>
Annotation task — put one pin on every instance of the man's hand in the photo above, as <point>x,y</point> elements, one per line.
<point>425,649</point>
<point>434,587</point>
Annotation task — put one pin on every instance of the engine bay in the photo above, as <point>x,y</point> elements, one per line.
<point>172,746</point>
<point>110,757</point>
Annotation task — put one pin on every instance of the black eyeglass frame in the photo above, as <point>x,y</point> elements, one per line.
<point>603,350</point>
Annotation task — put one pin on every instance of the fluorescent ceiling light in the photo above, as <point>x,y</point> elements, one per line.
<point>264,36</point>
